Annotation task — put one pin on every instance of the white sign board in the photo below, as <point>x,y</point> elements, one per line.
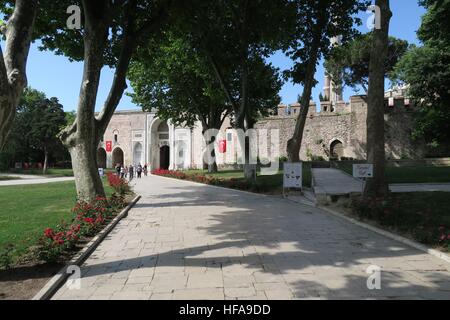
<point>363,170</point>
<point>292,175</point>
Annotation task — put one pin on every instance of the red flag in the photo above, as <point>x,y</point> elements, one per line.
<point>223,146</point>
<point>108,146</point>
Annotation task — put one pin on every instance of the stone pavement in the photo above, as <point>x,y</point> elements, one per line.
<point>420,187</point>
<point>335,182</point>
<point>24,179</point>
<point>188,241</point>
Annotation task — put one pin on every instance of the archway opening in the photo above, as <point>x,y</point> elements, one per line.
<point>164,157</point>
<point>101,158</point>
<point>337,149</point>
<point>160,148</point>
<point>118,157</point>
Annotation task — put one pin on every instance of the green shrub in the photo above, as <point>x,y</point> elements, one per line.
<point>401,214</point>
<point>6,256</point>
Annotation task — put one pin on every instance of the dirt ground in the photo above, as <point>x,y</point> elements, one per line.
<point>23,282</point>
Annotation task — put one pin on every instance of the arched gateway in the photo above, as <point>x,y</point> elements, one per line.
<point>337,149</point>
<point>118,157</point>
<point>160,152</point>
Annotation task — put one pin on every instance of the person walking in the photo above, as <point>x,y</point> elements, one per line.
<point>139,171</point>
<point>145,170</point>
<point>118,166</point>
<point>122,172</point>
<point>131,172</point>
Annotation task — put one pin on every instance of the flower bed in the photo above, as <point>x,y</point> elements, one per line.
<point>231,183</point>
<point>89,219</point>
<point>409,214</point>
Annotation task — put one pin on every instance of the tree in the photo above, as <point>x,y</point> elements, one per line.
<point>17,31</point>
<point>317,22</point>
<point>48,119</point>
<point>348,64</point>
<point>376,155</point>
<point>172,79</point>
<point>34,134</point>
<point>179,84</point>
<point>426,70</point>
<point>231,36</point>
<point>111,32</point>
<point>17,144</point>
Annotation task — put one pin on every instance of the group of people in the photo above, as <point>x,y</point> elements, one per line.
<point>131,171</point>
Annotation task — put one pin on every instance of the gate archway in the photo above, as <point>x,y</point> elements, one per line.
<point>337,149</point>
<point>164,157</point>
<point>118,157</point>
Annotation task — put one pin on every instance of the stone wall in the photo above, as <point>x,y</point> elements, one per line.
<point>346,123</point>
<point>129,127</point>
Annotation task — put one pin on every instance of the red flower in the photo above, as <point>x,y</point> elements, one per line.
<point>49,233</point>
<point>89,220</point>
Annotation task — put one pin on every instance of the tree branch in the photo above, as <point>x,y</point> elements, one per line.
<point>222,82</point>
<point>18,40</point>
<point>13,77</point>
<point>131,40</point>
<point>119,84</point>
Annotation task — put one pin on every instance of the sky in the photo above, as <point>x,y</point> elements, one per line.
<point>57,77</point>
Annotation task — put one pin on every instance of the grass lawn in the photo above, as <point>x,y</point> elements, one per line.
<point>27,210</point>
<point>417,215</point>
<point>273,184</point>
<point>409,174</point>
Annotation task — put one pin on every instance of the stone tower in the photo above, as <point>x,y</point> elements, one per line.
<point>331,92</point>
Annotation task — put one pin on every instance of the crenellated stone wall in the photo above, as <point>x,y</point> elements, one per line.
<point>344,124</point>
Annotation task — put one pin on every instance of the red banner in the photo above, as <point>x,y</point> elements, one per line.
<point>108,146</point>
<point>223,146</point>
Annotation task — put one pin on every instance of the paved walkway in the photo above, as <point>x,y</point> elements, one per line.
<point>188,241</point>
<point>336,182</point>
<point>420,187</point>
<point>25,179</point>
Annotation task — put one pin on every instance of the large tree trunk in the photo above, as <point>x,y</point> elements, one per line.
<point>294,144</point>
<point>212,166</point>
<point>87,179</point>
<point>376,186</point>
<point>13,77</point>
<point>82,138</point>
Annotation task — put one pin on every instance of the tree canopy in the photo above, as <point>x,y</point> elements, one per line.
<point>348,64</point>
<point>316,23</point>
<point>34,135</point>
<point>426,70</point>
<point>109,35</point>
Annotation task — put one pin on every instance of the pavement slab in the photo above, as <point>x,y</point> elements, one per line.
<point>188,241</point>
